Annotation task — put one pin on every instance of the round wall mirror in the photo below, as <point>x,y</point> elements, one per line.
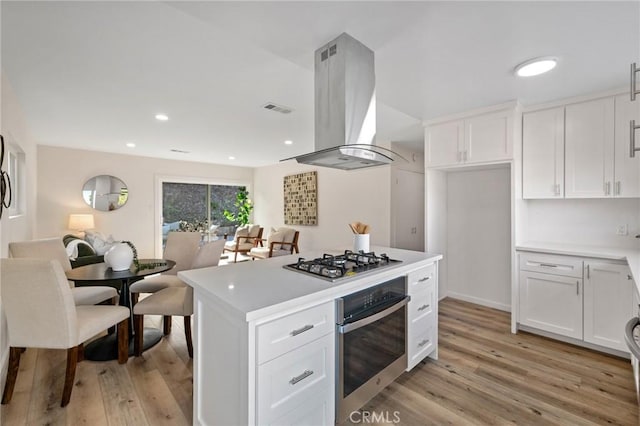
<point>105,193</point>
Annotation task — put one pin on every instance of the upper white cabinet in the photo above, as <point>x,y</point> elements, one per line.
<point>481,138</point>
<point>580,150</point>
<point>627,169</point>
<point>445,143</point>
<point>543,153</point>
<point>589,149</point>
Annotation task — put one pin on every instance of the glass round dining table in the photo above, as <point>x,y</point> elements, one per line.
<point>106,348</point>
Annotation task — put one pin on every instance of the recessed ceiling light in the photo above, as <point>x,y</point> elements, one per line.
<point>536,66</point>
<point>287,142</point>
<point>162,117</point>
<point>131,145</point>
<point>231,157</point>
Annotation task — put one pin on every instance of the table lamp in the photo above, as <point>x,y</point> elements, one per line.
<point>81,222</point>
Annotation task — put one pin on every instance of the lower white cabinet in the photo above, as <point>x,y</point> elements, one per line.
<point>585,299</point>
<point>298,384</point>
<point>551,303</point>
<point>422,317</point>
<point>608,303</point>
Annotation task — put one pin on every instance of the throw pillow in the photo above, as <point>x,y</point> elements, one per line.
<point>242,231</point>
<point>99,242</point>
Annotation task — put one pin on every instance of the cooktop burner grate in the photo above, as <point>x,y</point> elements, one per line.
<point>336,267</point>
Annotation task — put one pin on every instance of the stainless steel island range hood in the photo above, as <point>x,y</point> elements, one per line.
<point>345,108</point>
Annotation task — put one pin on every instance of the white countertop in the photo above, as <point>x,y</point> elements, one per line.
<point>256,289</point>
<point>631,256</point>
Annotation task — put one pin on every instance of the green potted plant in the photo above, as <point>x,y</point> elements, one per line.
<point>244,207</point>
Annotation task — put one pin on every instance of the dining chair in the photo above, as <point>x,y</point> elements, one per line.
<point>280,242</point>
<point>245,238</point>
<point>166,302</point>
<point>53,249</point>
<point>41,313</point>
<point>207,255</point>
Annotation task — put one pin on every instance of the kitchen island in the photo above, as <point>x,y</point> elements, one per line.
<point>264,336</point>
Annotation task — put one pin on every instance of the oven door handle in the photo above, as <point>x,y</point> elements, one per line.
<point>343,329</point>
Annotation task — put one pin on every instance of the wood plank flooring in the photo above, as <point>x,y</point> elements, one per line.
<point>484,376</point>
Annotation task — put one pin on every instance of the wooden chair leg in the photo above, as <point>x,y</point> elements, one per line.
<point>166,324</point>
<point>81,352</point>
<point>138,325</point>
<point>235,257</point>
<point>72,362</point>
<point>12,374</point>
<point>123,341</point>
<point>134,299</point>
<point>187,334</point>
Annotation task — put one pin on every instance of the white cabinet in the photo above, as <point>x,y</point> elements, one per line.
<point>543,154</point>
<point>589,149</point>
<point>580,150</point>
<point>551,293</point>
<point>608,303</point>
<point>422,318</point>
<point>296,371</point>
<point>483,138</point>
<point>586,299</point>
<point>626,169</point>
<point>444,144</point>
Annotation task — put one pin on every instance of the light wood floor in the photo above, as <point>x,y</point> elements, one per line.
<point>484,375</point>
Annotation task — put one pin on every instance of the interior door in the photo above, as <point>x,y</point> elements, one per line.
<point>407,204</point>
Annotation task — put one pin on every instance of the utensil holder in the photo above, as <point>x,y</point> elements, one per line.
<point>361,242</point>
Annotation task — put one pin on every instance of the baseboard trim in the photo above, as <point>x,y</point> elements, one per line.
<point>479,301</point>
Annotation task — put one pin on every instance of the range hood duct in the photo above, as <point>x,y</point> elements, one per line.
<point>345,108</point>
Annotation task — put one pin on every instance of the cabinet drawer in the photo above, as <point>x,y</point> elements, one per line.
<point>551,264</point>
<point>421,340</point>
<point>296,378</point>
<point>420,279</point>
<point>422,303</point>
<point>284,334</point>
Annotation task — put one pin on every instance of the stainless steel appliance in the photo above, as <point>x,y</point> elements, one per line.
<point>371,335</point>
<point>632,337</point>
<point>336,267</point>
<point>345,108</point>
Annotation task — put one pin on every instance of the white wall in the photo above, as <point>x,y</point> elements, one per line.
<point>479,236</point>
<point>584,221</point>
<point>343,197</point>
<point>15,131</point>
<point>62,172</point>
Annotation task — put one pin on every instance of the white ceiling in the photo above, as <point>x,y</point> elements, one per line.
<point>92,75</point>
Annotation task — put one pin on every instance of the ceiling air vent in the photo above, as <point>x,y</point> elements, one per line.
<point>277,108</point>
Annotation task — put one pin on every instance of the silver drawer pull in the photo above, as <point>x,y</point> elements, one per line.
<point>301,377</point>
<point>424,342</point>
<point>423,307</point>
<point>548,265</point>
<point>302,330</point>
<point>421,280</point>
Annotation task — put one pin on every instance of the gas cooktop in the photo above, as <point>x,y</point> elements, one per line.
<point>347,265</point>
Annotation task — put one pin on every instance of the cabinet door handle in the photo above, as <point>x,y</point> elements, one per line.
<point>421,280</point>
<point>634,92</point>
<point>578,287</point>
<point>464,155</point>
<point>632,138</point>
<point>423,307</point>
<point>301,330</point>
<point>301,377</point>
<point>424,342</point>
<point>548,265</point>
<point>629,277</point>
<point>617,189</point>
<point>588,271</point>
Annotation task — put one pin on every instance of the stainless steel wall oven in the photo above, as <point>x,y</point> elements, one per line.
<point>371,343</point>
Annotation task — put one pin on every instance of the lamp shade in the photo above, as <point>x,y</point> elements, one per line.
<point>80,222</point>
